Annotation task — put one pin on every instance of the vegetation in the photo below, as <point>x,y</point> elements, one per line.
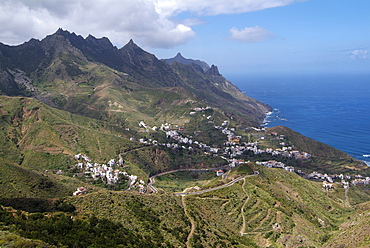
<point>326,159</point>
<point>63,230</point>
<point>178,181</point>
<point>91,98</point>
<point>16,182</point>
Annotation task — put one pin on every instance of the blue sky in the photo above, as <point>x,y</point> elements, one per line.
<point>315,36</point>
<point>239,36</point>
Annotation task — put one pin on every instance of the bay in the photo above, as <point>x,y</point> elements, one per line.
<point>333,109</point>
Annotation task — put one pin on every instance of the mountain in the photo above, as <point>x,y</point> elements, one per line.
<point>180,59</point>
<point>81,75</point>
<point>162,154</point>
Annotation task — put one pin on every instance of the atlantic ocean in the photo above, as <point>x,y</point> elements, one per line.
<point>330,108</point>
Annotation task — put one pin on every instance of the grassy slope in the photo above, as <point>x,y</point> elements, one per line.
<point>279,208</point>
<point>30,126</point>
<point>325,158</point>
<point>41,138</point>
<point>309,145</point>
<point>100,92</point>
<point>220,93</point>
<point>16,181</point>
<point>355,231</point>
<point>8,239</point>
<point>155,215</point>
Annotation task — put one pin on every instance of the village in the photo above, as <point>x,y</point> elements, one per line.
<point>231,150</point>
<point>106,173</point>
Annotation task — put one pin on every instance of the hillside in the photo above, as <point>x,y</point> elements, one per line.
<point>325,158</point>
<point>273,208</point>
<point>354,232</point>
<point>104,146</point>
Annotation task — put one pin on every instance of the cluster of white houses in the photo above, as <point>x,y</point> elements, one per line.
<point>284,151</point>
<point>106,171</point>
<point>359,181</point>
<point>195,110</point>
<point>276,164</point>
<point>232,147</point>
<point>344,180</point>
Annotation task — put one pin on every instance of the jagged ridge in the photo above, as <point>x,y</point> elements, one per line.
<point>64,68</point>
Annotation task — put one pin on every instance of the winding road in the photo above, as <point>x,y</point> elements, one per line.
<point>152,189</point>
<point>215,188</point>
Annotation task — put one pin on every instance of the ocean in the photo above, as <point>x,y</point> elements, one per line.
<point>333,109</point>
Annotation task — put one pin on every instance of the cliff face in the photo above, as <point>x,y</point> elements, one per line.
<point>64,69</point>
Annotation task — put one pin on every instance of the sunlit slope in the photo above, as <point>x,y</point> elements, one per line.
<point>275,207</point>
<point>29,126</point>
<point>325,158</point>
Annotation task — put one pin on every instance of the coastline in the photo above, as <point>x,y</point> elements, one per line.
<point>326,108</point>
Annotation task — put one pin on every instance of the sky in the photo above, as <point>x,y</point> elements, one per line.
<point>239,36</point>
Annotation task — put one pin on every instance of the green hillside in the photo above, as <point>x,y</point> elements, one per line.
<point>354,232</point>
<point>325,158</point>
<point>108,147</point>
<point>271,209</point>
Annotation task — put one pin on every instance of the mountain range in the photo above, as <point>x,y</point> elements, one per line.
<point>65,70</point>
<point>127,130</point>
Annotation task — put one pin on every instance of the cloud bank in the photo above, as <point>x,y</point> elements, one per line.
<point>151,22</point>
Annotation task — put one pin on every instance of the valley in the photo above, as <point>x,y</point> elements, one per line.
<point>101,146</point>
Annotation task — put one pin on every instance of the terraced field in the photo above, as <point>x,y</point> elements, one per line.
<point>273,208</point>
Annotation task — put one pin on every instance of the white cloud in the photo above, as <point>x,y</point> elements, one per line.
<point>217,7</point>
<point>250,34</point>
<point>359,54</point>
<point>120,20</point>
<point>148,22</point>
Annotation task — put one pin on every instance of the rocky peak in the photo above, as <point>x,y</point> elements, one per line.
<point>66,34</point>
<point>213,71</point>
<point>179,56</point>
<point>180,59</point>
<point>131,45</point>
<point>135,54</point>
<point>33,42</point>
<point>103,42</point>
<point>60,31</point>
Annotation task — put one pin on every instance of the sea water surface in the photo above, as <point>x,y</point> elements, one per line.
<point>333,109</point>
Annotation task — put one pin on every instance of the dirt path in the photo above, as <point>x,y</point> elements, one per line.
<point>135,148</point>
<point>346,196</point>
<point>191,221</point>
<point>224,204</point>
<point>242,230</point>
<point>215,188</point>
